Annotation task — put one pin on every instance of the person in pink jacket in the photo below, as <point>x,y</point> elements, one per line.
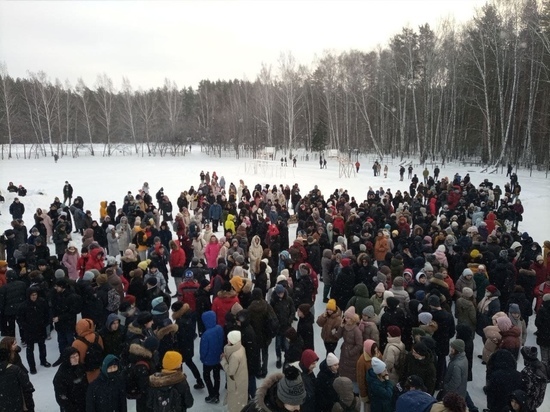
<point>212,251</point>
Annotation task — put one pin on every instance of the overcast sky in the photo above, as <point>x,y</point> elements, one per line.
<point>187,41</point>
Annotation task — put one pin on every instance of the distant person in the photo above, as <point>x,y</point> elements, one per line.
<point>56,157</point>
<point>17,209</point>
<point>401,173</point>
<point>294,162</point>
<point>324,163</point>
<point>410,169</point>
<point>357,166</point>
<point>67,193</point>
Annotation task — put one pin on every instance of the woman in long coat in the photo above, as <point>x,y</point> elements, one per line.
<point>234,364</point>
<point>352,344</point>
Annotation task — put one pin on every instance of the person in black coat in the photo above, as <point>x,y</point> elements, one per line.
<point>17,209</point>
<point>307,365</point>
<point>11,296</point>
<point>305,325</point>
<point>502,379</point>
<point>70,382</point>
<point>303,287</point>
<point>65,306</point>
<point>250,344</point>
<point>395,316</point>
<point>445,331</point>
<point>342,286</point>
<point>114,336</point>
<point>34,317</point>
<point>15,387</point>
<point>295,346</point>
<point>325,395</point>
<point>107,393</point>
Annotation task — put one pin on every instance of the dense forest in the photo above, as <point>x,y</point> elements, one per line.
<point>478,90</point>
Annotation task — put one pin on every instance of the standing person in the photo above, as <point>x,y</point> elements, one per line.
<point>445,331</point>
<point>380,387</point>
<point>12,295</point>
<point>330,321</point>
<point>211,348</point>
<point>325,395</point>
<point>456,377</point>
<point>88,342</point>
<point>65,306</point>
<point>17,209</point>
<point>283,306</point>
<point>305,325</point>
<point>67,193</point>
<point>308,362</point>
<point>534,377</point>
<point>70,383</point>
<point>352,344</point>
<point>15,387</point>
<point>107,392</point>
<point>34,318</point>
<point>262,319</point>
<point>169,389</point>
<point>410,169</point>
<point>357,166</point>
<point>542,322</point>
<point>294,161</point>
<point>401,173</point>
<point>347,400</point>
<point>233,362</point>
<point>364,363</point>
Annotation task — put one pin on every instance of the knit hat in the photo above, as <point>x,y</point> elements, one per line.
<point>458,345</point>
<point>421,349</point>
<point>514,308</point>
<point>441,248</point>
<point>234,336</point>
<point>398,281</point>
<point>144,317</point>
<point>151,343</point>
<point>380,288</point>
<point>308,357</point>
<point>367,346</point>
<point>530,353</point>
<point>475,254</point>
<point>420,295</point>
<point>332,359</point>
<point>172,361</point>
<point>491,289</point>
<point>304,308</point>
<point>102,279</point>
<point>392,302</point>
<point>504,323</point>
<point>394,331</point>
<point>237,283</point>
<point>378,366</point>
<point>546,297</point>
<point>59,274</point>
<point>350,312</point>
<point>88,276</point>
<point>131,299</point>
<point>369,311</point>
<point>152,281</point>
<point>434,301</point>
<point>290,389</point>
<point>467,272</point>
<point>62,283</point>
<point>425,317</point>
<point>331,305</point>
<point>281,289</point>
<point>418,332</point>
<point>428,267</point>
<point>467,292</point>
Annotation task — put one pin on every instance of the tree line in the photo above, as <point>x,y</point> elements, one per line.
<point>480,89</point>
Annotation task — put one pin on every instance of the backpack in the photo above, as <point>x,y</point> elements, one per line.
<point>400,363</point>
<point>350,408</point>
<point>164,399</point>
<point>113,300</point>
<point>94,353</point>
<point>132,384</point>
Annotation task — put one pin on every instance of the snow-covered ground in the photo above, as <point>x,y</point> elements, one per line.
<point>109,178</point>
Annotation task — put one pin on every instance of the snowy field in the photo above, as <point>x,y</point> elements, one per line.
<point>101,178</point>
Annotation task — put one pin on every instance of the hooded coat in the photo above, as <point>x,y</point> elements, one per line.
<point>107,392</point>
<point>542,322</point>
<point>502,379</point>
<point>85,329</point>
<point>15,389</point>
<point>425,368</point>
<point>361,299</point>
<point>222,304</point>
<point>350,350</point>
<point>456,378</point>
<point>211,345</point>
<point>328,324</point>
<point>70,384</point>
<point>380,393</point>
<point>235,366</point>
<point>175,379</point>
<point>465,312</point>
<point>391,357</point>
<point>534,379</point>
<point>346,397</point>
<point>325,394</point>
<point>34,317</point>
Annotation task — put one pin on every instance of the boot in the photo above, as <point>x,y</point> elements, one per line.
<point>199,384</point>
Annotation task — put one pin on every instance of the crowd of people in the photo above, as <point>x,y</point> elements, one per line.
<point>408,279</point>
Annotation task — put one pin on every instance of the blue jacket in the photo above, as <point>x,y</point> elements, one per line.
<point>215,211</point>
<point>212,340</point>
<point>380,393</point>
<point>415,400</point>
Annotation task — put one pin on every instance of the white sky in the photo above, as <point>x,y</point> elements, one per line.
<point>187,41</point>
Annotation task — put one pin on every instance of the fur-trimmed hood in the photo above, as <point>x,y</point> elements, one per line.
<point>267,392</point>
<point>166,330</point>
<point>136,330</point>
<point>182,311</point>
<point>247,286</point>
<point>224,294</point>
<point>439,282</point>
<point>138,350</point>
<point>160,380</point>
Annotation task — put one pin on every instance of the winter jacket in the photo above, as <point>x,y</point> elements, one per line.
<point>70,385</point>
<point>511,340</point>
<point>107,392</point>
<point>462,283</point>
<point>223,304</point>
<point>305,330</point>
<point>235,366</point>
<point>392,355</point>
<point>177,380</point>
<point>85,330</point>
<point>284,309</point>
<point>342,287</point>
<point>12,295</point>
<point>113,341</point>
<point>211,344</point>
<point>346,397</point>
<point>65,306</point>
<point>456,378</point>
<point>465,312</point>
<point>534,380</point>
<point>380,393</point>
<point>325,394</point>
<point>414,400</point>
<point>329,325</point>
<point>425,368</point>
<point>361,299</point>
<point>15,389</point>
<point>502,379</point>
<point>70,261</point>
<point>542,322</point>
<point>34,317</point>
<point>350,350</point>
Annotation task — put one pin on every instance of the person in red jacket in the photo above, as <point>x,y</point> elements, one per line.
<point>96,259</point>
<point>82,261</point>
<point>211,252</point>
<point>177,262</point>
<point>188,289</point>
<point>541,271</point>
<point>223,303</point>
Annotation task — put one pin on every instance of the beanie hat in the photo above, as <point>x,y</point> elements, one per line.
<point>367,346</point>
<point>304,308</point>
<point>281,289</point>
<point>467,272</point>
<point>332,359</point>
<point>151,343</point>
<point>280,278</point>
<point>144,317</point>
<point>380,288</point>
<point>467,292</point>
<point>369,311</point>
<point>290,389</point>
<point>425,317</point>
<point>308,357</point>
<point>474,254</point>
<point>420,295</point>
<point>398,281</point>
<point>491,289</point>
<point>530,353</point>
<point>62,283</point>
<point>172,361</point>
<point>458,345</point>
<point>3,263</point>
<point>504,323</point>
<point>421,349</point>
<point>418,332</point>
<point>331,305</point>
<point>394,331</point>
<point>59,274</point>
<point>434,301</point>
<point>102,279</point>
<point>88,276</point>
<point>378,366</point>
<point>546,297</point>
<point>237,283</point>
<point>291,334</point>
<point>428,267</point>
<point>131,299</point>
<point>514,308</point>
<point>152,281</point>
<point>350,312</point>
<point>234,336</point>
<point>392,302</point>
